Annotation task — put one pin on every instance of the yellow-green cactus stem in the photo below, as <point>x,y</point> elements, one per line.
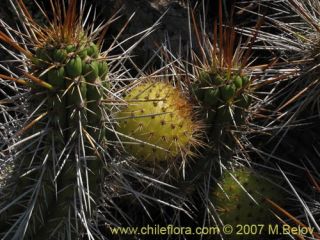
<point>157,121</point>
<point>240,198</point>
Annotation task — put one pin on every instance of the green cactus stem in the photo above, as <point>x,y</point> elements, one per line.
<point>59,171</point>
<point>224,100</point>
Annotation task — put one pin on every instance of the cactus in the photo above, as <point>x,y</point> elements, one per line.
<point>223,88</point>
<point>59,160</point>
<point>157,123</point>
<point>241,196</point>
<point>224,98</point>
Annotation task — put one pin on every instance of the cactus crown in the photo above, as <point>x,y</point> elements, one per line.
<point>214,87</point>
<point>223,78</point>
<point>223,56</point>
<point>64,28</point>
<point>49,46</point>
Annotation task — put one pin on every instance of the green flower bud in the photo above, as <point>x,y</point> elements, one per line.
<point>238,81</point>
<point>71,48</point>
<point>60,55</point>
<point>74,67</point>
<point>228,92</point>
<point>93,50</point>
